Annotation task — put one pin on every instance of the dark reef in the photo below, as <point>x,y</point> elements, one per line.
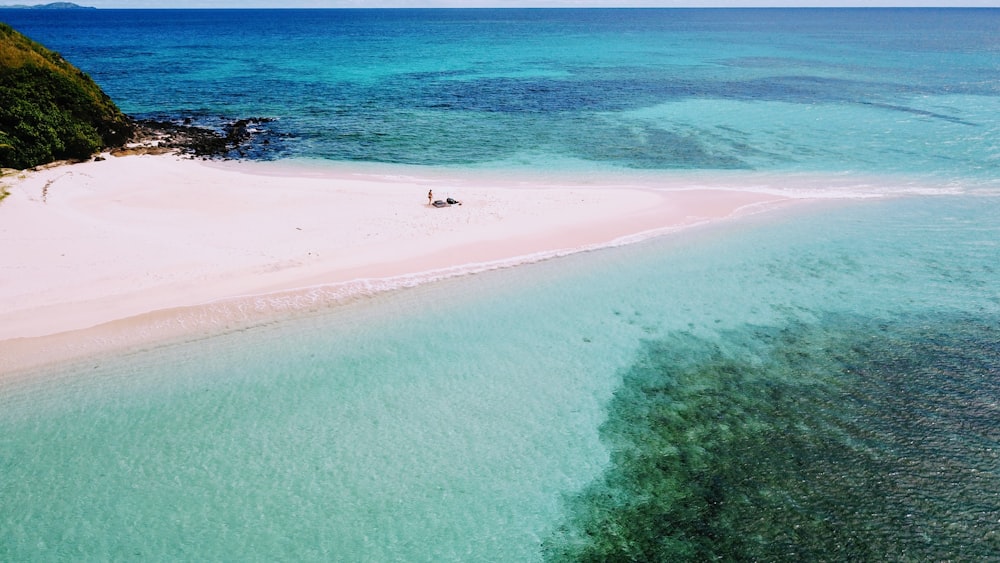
<point>850,440</point>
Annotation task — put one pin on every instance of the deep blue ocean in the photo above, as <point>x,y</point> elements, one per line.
<point>862,90</point>
<point>819,384</point>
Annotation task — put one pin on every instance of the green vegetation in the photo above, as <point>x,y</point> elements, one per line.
<point>49,109</point>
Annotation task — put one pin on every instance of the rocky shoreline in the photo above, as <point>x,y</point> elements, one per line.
<point>230,139</point>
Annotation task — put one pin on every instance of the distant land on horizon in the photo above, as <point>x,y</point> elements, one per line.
<point>52,6</point>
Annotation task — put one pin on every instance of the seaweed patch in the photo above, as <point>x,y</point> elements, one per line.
<point>853,439</point>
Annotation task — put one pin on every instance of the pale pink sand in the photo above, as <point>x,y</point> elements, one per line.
<point>132,244</point>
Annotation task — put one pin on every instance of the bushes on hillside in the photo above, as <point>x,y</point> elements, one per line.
<point>50,110</point>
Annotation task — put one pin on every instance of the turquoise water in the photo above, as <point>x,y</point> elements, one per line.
<point>811,384</point>
<point>867,91</point>
<point>829,381</point>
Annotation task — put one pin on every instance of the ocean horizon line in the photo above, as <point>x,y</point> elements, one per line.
<point>21,8</point>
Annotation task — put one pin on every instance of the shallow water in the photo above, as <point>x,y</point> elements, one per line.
<point>812,383</point>
<point>833,373</point>
<point>850,439</point>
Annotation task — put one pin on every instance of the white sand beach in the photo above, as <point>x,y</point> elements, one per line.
<point>111,253</point>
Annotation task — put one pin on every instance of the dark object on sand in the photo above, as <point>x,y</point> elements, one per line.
<point>446,203</point>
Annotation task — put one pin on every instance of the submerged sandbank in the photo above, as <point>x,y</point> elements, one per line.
<point>113,253</point>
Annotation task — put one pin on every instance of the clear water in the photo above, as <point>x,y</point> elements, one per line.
<point>820,384</point>
<point>912,92</point>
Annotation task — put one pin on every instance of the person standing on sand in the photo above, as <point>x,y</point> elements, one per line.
<point>430,196</point>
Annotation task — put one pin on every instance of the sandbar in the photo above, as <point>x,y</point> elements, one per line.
<point>114,252</point>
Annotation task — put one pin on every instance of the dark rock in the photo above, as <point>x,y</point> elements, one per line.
<point>230,139</point>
